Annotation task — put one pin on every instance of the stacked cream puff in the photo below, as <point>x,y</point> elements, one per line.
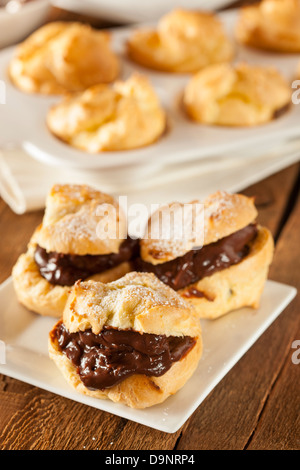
<point>70,244</point>
<point>227,271</point>
<point>134,341</point>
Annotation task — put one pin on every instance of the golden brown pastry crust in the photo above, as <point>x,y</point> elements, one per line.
<point>240,95</point>
<point>70,226</point>
<point>75,219</point>
<point>220,215</point>
<point>271,24</point>
<point>140,302</point>
<point>123,116</point>
<point>63,57</point>
<point>240,285</point>
<point>184,42</point>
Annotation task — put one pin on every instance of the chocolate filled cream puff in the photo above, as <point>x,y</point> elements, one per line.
<point>134,341</point>
<point>228,271</point>
<point>63,57</point>
<point>236,95</point>
<point>271,25</point>
<point>125,115</point>
<point>183,42</point>
<point>82,236</point>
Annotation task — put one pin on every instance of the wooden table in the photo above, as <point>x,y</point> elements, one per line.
<point>257,404</point>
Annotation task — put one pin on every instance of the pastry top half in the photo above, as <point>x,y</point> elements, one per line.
<point>125,115</point>
<point>80,220</point>
<point>236,95</point>
<point>196,224</point>
<point>271,25</point>
<point>63,57</point>
<point>183,42</point>
<point>137,301</point>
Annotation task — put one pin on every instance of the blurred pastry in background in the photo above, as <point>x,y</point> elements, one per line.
<point>121,116</point>
<point>236,95</point>
<point>184,42</point>
<point>270,24</point>
<point>63,57</point>
<point>134,341</point>
<point>228,271</point>
<point>83,235</point>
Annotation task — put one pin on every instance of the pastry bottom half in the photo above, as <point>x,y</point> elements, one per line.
<point>137,391</point>
<point>38,295</point>
<point>240,285</point>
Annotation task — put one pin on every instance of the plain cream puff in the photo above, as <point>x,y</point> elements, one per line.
<point>236,95</point>
<point>183,42</point>
<point>134,341</point>
<point>122,116</point>
<point>63,57</point>
<point>270,24</point>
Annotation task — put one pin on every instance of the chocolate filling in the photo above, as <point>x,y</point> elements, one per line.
<point>106,359</point>
<point>65,270</point>
<point>197,264</point>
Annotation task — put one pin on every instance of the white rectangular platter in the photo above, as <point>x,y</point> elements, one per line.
<point>226,340</point>
<point>22,118</point>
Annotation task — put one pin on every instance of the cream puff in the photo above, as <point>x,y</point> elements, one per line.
<point>134,341</point>
<point>63,57</point>
<point>82,236</point>
<point>227,267</point>
<point>236,95</point>
<point>271,25</point>
<point>183,42</point>
<point>125,115</point>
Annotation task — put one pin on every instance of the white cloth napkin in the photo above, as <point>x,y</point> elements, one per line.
<point>25,182</point>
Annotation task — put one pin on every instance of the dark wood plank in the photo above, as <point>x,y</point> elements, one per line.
<point>246,400</point>
<point>16,231</point>
<point>279,423</point>
<point>272,197</point>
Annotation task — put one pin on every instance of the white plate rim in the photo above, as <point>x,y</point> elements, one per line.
<point>140,416</point>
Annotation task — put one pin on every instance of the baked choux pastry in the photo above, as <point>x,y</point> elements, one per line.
<point>227,271</point>
<point>82,236</point>
<point>63,57</point>
<point>134,341</point>
<point>184,42</point>
<point>236,95</point>
<point>122,116</point>
<point>271,25</point>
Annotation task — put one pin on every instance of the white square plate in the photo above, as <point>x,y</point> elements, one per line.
<point>23,118</point>
<point>225,341</point>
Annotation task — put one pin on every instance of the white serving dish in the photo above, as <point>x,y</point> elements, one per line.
<point>22,120</point>
<point>15,26</point>
<point>133,11</point>
<point>24,355</point>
